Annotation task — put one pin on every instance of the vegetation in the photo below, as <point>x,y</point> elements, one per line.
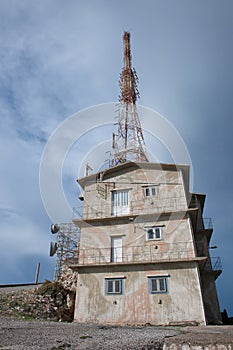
<point>53,289</point>
<point>50,301</point>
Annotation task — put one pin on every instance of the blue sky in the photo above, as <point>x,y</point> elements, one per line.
<point>58,57</point>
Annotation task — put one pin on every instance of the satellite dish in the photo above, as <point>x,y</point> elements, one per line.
<point>53,248</point>
<point>81,196</point>
<point>55,228</point>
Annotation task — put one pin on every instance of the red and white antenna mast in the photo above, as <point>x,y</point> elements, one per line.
<point>128,144</point>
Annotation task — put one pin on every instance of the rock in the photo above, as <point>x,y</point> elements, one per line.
<point>51,301</point>
<point>59,300</point>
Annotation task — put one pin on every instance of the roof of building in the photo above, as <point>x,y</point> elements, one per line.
<point>130,166</point>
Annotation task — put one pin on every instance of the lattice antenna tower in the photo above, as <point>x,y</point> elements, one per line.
<point>128,144</point>
<point>66,247</point>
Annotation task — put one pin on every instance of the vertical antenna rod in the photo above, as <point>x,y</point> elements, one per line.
<point>128,82</point>
<point>127,53</point>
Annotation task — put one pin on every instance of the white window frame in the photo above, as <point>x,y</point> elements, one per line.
<point>116,249</point>
<point>157,232</point>
<point>158,284</point>
<point>150,191</point>
<point>114,286</point>
<point>120,202</point>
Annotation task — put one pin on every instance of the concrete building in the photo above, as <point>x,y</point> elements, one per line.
<point>144,248</point>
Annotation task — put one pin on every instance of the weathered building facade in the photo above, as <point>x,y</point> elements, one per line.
<point>144,245</point>
<point>144,254</point>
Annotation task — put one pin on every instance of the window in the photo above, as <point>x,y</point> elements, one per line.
<point>113,286</point>
<point>157,284</point>
<point>154,233</point>
<point>150,191</point>
<point>116,249</point>
<point>120,202</point>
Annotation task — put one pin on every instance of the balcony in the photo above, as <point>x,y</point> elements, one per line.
<point>207,223</point>
<point>148,253</point>
<point>206,227</point>
<point>100,210</point>
<point>213,265</point>
<point>194,202</point>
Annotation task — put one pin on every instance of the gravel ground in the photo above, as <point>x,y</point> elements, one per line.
<point>47,335</point>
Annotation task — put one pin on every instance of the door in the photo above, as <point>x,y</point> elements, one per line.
<point>120,202</point>
<point>116,249</point>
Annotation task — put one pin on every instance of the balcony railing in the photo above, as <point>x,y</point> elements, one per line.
<point>137,254</point>
<point>137,207</point>
<point>207,223</point>
<point>77,213</point>
<point>194,202</point>
<point>213,264</point>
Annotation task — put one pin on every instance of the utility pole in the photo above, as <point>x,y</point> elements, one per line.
<point>37,273</point>
<point>128,144</point>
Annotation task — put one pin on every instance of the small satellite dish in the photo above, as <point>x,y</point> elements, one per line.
<point>53,248</point>
<point>81,196</point>
<point>55,228</point>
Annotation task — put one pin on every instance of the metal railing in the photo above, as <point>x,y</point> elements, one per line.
<point>77,212</point>
<point>137,254</point>
<point>213,264</point>
<point>194,202</point>
<point>137,207</point>
<point>207,223</point>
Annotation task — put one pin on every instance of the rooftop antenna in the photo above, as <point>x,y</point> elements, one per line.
<point>128,144</point>
<point>88,168</point>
